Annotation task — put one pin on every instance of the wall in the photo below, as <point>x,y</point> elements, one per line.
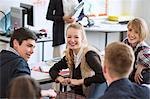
<point>142,10</point>
<point>136,8</point>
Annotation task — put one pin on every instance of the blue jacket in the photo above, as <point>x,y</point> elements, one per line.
<point>11,66</point>
<point>125,89</point>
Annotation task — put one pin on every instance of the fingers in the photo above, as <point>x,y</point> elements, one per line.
<point>138,78</point>
<point>66,81</point>
<point>50,93</point>
<point>68,19</point>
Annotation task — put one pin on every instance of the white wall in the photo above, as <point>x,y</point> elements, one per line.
<point>142,10</point>
<point>138,8</point>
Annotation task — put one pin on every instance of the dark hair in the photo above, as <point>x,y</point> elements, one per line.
<point>22,34</point>
<point>24,87</point>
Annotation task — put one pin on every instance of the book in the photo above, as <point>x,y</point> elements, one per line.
<point>78,9</point>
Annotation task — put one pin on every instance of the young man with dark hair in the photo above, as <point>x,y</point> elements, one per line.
<point>13,62</point>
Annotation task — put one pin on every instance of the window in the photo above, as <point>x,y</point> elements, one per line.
<point>95,7</point>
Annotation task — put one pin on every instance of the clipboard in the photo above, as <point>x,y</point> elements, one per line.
<point>78,9</point>
<point>79,6</point>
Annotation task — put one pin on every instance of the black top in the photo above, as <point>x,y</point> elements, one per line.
<point>11,66</point>
<point>93,61</point>
<point>125,89</point>
<point>55,13</point>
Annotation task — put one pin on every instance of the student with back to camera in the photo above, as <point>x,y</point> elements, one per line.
<point>118,65</point>
<point>25,87</point>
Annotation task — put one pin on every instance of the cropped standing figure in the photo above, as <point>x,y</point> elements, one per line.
<point>24,87</point>
<point>60,12</point>
<point>136,35</point>
<point>83,61</point>
<point>118,64</point>
<point>13,62</point>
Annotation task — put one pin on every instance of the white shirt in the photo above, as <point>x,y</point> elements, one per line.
<point>68,6</point>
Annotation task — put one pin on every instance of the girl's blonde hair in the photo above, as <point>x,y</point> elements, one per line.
<point>139,25</point>
<point>69,52</point>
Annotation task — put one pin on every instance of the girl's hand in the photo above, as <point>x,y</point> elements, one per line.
<point>76,81</point>
<point>63,81</point>
<point>138,76</point>
<point>60,79</point>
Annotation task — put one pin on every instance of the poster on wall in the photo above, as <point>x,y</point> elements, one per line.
<point>95,7</point>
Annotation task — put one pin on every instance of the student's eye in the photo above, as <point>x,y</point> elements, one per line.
<point>136,32</point>
<point>68,37</point>
<point>30,45</point>
<point>130,30</point>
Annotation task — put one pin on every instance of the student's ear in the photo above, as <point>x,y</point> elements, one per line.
<point>104,69</point>
<point>15,43</point>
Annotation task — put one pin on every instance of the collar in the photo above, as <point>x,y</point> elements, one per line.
<point>13,50</point>
<point>139,45</point>
<point>78,57</point>
<point>120,82</point>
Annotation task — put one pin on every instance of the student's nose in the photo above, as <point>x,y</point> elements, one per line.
<point>32,50</point>
<point>72,39</point>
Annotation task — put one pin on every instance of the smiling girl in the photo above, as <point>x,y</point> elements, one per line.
<point>82,60</point>
<point>136,35</point>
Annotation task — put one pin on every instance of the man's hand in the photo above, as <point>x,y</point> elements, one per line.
<point>49,92</point>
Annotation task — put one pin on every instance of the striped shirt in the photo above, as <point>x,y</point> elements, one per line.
<point>143,56</point>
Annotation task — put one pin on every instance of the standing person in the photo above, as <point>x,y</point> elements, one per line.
<point>83,61</point>
<point>136,35</point>
<point>60,12</point>
<point>118,65</point>
<point>13,62</point>
<point>25,87</point>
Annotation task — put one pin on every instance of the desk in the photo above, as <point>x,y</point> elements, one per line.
<point>42,40</point>
<point>109,28</point>
<point>41,77</point>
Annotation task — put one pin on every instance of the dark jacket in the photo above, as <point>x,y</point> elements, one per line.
<point>11,66</point>
<point>55,13</point>
<point>125,89</point>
